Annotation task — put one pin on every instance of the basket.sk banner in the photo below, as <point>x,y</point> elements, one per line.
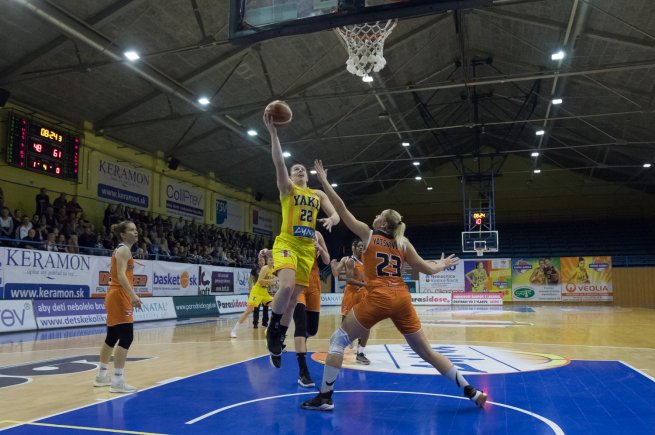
<point>183,199</point>
<point>123,183</point>
<point>31,274</point>
<point>174,279</point>
<point>101,275</point>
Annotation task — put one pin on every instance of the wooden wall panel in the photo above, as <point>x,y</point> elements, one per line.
<point>634,286</point>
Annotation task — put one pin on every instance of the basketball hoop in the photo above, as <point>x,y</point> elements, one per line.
<point>365,45</point>
<point>480,251</point>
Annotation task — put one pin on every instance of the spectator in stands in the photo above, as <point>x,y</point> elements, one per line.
<point>73,247</point>
<point>31,241</point>
<point>87,241</point>
<point>60,203</point>
<point>42,201</point>
<point>73,206</point>
<point>18,218</point>
<point>51,243</point>
<point>6,225</point>
<point>49,218</point>
<point>36,220</point>
<point>24,228</point>
<point>62,245</point>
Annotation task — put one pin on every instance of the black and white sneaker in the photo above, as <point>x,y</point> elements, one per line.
<point>305,380</point>
<point>274,344</point>
<point>361,359</point>
<point>322,402</point>
<point>475,395</point>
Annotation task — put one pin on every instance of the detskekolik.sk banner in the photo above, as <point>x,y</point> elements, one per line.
<point>66,313</point>
<point>30,274</point>
<point>16,316</point>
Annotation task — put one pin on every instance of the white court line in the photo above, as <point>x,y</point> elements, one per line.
<point>637,370</point>
<point>556,429</point>
<point>124,395</point>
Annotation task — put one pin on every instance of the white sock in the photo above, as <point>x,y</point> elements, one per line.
<point>102,372</point>
<point>329,378</point>
<point>235,327</point>
<point>361,349</point>
<point>118,375</point>
<point>454,375</point>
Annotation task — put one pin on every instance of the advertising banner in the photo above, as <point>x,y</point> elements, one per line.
<point>232,303</point>
<point>215,280</point>
<point>475,298</point>
<point>492,275</point>
<point>536,279</point>
<point>101,275</point>
<point>66,313</point>
<point>16,316</point>
<point>432,298</point>
<point>262,221</point>
<point>331,299</point>
<point>229,213</point>
<point>183,199</point>
<point>30,274</point>
<point>587,278</point>
<point>449,280</point>
<point>123,183</point>
<point>174,279</point>
<point>155,309</point>
<point>195,306</point>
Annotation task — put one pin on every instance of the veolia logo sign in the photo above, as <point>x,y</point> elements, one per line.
<point>524,293</point>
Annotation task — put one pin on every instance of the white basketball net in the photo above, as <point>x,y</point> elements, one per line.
<point>365,44</point>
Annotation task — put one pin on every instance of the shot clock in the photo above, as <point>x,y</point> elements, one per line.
<point>41,148</point>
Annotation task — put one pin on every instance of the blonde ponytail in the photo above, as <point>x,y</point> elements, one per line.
<point>396,225</point>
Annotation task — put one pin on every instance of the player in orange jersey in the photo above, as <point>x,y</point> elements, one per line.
<point>119,303</point>
<point>387,297</point>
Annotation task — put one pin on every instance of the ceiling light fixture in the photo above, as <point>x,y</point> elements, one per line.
<point>540,132</point>
<point>334,184</point>
<point>556,101</point>
<point>203,100</point>
<point>405,144</point>
<point>429,187</point>
<point>367,79</point>
<point>416,163</point>
<point>131,55</point>
<point>418,178</point>
<point>286,154</point>
<point>646,165</point>
<point>252,132</point>
<point>537,171</point>
<point>313,172</point>
<point>535,154</point>
<point>558,55</point>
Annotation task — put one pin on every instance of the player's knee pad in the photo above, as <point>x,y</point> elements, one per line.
<point>338,342</point>
<point>125,335</point>
<point>312,323</point>
<point>112,336</point>
<point>300,320</point>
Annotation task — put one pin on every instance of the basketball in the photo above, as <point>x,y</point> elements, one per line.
<point>280,111</point>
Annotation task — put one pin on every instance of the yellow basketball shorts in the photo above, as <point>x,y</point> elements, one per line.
<point>291,254</point>
<point>259,295</point>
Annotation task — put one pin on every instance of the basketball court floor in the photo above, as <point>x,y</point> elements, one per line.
<point>547,369</point>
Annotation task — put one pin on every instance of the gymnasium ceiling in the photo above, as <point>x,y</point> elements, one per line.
<point>467,89</point>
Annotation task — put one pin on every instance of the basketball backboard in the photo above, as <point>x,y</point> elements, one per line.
<point>479,241</point>
<point>256,20</point>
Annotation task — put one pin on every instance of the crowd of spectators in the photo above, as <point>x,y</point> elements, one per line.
<point>61,226</point>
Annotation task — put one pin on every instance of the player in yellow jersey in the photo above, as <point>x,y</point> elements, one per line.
<point>385,253</point>
<point>580,275</point>
<point>478,277</point>
<point>259,293</point>
<point>293,250</point>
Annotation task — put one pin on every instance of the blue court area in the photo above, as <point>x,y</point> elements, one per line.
<point>583,397</point>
